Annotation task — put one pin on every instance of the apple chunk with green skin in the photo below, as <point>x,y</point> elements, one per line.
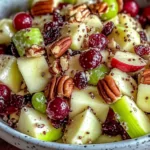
<point>35,73</point>
<point>77,31</point>
<point>83,129</point>
<point>108,139</point>
<point>89,97</point>
<point>35,124</point>
<point>127,62</point>
<point>125,82</point>
<point>26,38</point>
<point>143,97</point>
<point>133,120</point>
<point>9,73</point>
<point>126,38</point>
<point>8,31</point>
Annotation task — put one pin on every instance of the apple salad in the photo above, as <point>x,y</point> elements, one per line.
<point>76,71</point>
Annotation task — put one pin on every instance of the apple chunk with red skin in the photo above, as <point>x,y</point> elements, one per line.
<point>127,62</point>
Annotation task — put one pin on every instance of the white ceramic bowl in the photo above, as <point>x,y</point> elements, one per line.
<point>25,142</point>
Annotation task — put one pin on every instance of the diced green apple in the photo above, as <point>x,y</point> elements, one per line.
<point>36,124</point>
<point>133,120</point>
<point>94,23</point>
<point>126,38</point>
<point>143,97</point>
<point>89,97</point>
<point>96,74</point>
<point>26,38</point>
<point>128,21</point>
<point>125,82</point>
<point>74,66</point>
<point>77,31</point>
<point>115,20</point>
<point>9,72</point>
<point>35,73</point>
<point>83,129</point>
<point>6,31</point>
<point>108,139</point>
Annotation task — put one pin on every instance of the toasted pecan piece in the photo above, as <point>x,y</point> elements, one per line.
<point>108,89</point>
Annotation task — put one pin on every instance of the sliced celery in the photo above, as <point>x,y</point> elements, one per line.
<point>96,74</point>
<point>133,120</point>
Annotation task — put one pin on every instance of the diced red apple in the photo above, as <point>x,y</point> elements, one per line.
<point>127,62</point>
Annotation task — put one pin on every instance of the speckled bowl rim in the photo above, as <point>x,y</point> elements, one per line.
<point>122,144</point>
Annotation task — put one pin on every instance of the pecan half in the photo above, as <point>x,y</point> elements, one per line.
<point>59,86</point>
<point>120,5</point>
<point>145,79</point>
<point>35,51</point>
<point>42,7</point>
<point>108,89</point>
<point>59,65</point>
<point>59,47</point>
<point>79,13</point>
<point>98,8</point>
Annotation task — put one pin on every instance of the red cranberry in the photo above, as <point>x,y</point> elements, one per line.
<point>58,18</point>
<point>51,32</point>
<point>10,109</point>
<point>5,93</point>
<point>131,7</point>
<point>146,13</point>
<point>142,50</point>
<point>108,28</point>
<point>2,49</point>
<point>98,41</point>
<point>143,36</point>
<point>90,59</point>
<point>80,80</point>
<point>2,105</point>
<point>58,109</point>
<point>11,50</point>
<point>22,20</point>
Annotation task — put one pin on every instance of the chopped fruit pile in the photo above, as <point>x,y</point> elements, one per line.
<point>77,71</point>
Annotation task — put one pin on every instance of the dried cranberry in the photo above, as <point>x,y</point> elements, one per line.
<point>58,18</point>
<point>11,50</point>
<point>90,59</point>
<point>80,80</point>
<point>11,109</point>
<point>17,101</point>
<point>111,128</point>
<point>131,7</point>
<point>2,49</point>
<point>51,32</point>
<point>22,20</point>
<point>107,29</point>
<point>57,109</point>
<point>98,41</point>
<point>143,36</point>
<point>142,50</point>
<point>59,123</point>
